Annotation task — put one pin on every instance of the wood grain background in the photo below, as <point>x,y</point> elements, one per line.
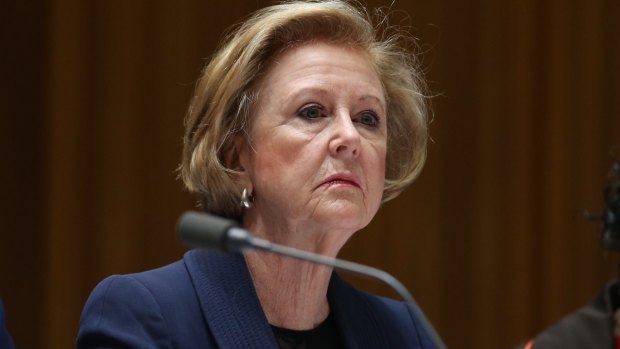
<point>490,239</point>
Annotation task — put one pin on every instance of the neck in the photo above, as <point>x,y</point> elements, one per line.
<point>293,293</point>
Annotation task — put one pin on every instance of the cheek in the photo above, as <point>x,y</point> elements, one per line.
<point>279,158</point>
<point>377,163</point>
<point>376,171</point>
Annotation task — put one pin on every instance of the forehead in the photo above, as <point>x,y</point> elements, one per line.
<point>323,64</point>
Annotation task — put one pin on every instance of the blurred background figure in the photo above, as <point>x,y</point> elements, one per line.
<point>5,337</point>
<point>596,325</point>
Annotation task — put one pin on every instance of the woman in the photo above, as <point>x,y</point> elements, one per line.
<point>301,125</point>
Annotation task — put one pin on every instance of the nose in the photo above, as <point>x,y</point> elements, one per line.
<point>345,138</point>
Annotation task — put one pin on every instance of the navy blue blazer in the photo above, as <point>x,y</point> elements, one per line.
<point>207,300</point>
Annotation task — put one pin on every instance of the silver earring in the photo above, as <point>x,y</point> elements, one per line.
<point>247,201</point>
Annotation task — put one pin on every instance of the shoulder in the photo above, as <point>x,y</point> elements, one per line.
<point>164,287</point>
<point>142,309</point>
<point>122,312</point>
<point>588,327</point>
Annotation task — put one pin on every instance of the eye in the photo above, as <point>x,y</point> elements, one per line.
<point>311,112</point>
<point>369,118</point>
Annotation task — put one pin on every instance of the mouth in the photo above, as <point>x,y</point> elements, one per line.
<point>341,179</point>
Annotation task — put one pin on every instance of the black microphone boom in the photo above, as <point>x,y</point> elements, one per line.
<point>203,230</point>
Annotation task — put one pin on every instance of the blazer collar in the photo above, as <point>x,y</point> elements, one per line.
<point>229,302</point>
<point>234,315</point>
<point>358,325</point>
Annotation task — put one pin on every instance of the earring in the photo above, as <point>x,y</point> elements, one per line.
<point>247,201</point>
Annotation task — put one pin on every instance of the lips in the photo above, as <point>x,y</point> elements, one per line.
<point>341,178</point>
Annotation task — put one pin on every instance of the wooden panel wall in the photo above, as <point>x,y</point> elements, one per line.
<point>490,239</point>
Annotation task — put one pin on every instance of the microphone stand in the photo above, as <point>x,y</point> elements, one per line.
<point>204,230</point>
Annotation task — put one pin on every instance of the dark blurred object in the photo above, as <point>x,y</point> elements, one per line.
<point>591,326</point>
<point>5,338</point>
<point>594,325</point>
<point>611,216</point>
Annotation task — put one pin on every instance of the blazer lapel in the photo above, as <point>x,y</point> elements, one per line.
<point>358,326</point>
<point>228,300</point>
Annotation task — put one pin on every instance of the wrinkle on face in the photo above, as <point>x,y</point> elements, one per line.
<point>290,156</point>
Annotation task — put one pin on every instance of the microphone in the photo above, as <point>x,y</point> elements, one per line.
<point>204,230</point>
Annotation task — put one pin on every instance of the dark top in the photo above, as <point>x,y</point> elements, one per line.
<point>208,300</point>
<point>324,336</point>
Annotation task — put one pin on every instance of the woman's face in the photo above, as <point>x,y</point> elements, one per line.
<point>317,143</point>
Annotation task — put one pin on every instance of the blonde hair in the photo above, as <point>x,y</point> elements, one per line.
<point>223,98</point>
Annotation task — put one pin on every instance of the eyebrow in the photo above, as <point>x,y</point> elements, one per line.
<point>308,90</point>
<point>373,97</point>
<point>326,92</point>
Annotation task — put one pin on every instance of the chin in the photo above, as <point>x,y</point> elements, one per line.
<point>345,219</point>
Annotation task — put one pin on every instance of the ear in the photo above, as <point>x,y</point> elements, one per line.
<point>238,158</point>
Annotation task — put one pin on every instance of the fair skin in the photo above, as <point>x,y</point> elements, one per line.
<point>315,161</point>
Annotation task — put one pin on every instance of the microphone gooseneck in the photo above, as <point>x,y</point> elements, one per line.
<point>203,230</point>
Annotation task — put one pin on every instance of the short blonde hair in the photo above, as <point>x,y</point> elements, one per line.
<point>223,98</point>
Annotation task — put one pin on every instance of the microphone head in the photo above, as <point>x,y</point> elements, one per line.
<point>204,230</point>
